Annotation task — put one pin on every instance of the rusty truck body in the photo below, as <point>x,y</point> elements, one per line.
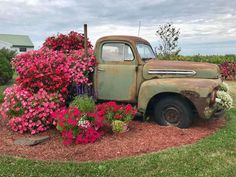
<point>170,92</point>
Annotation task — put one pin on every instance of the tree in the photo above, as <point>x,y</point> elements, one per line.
<point>169,36</point>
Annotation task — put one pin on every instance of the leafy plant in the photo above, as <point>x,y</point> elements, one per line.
<point>83,103</point>
<point>118,126</point>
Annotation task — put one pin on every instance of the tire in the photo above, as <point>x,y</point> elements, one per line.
<point>173,111</point>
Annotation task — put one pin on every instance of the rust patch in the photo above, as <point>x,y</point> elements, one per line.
<point>190,94</point>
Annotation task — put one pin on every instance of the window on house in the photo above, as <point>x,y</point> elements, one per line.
<point>23,49</point>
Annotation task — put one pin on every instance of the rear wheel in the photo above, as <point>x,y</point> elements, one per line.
<point>173,111</point>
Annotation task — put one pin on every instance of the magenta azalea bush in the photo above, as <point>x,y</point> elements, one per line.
<point>53,71</point>
<point>28,111</point>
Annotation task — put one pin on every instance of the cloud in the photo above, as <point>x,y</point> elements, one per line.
<point>200,22</point>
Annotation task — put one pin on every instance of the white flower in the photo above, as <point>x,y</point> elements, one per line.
<point>84,123</point>
<point>224,87</point>
<point>224,100</point>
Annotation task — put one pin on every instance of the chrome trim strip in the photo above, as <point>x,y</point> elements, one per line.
<point>171,72</point>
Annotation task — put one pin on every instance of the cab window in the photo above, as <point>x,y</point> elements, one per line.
<point>117,52</point>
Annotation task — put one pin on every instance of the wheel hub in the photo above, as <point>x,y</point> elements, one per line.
<point>171,115</point>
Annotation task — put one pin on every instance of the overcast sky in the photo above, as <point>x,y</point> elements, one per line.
<point>206,26</point>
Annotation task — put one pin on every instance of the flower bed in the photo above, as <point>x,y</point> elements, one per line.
<point>78,127</point>
<point>44,77</point>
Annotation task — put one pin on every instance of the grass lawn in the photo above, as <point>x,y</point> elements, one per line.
<point>213,156</point>
<point>232,87</point>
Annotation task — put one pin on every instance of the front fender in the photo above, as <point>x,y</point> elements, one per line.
<point>188,87</point>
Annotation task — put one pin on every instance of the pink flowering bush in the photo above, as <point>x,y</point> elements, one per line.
<point>28,111</point>
<point>228,70</point>
<point>78,127</point>
<point>66,43</point>
<point>53,70</point>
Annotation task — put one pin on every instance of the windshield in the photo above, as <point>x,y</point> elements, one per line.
<point>145,51</point>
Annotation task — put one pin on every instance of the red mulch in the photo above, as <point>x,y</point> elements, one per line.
<point>143,137</point>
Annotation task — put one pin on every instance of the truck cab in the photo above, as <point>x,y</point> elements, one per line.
<point>170,92</point>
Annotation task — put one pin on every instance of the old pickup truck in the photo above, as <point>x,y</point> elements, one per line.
<point>169,92</point>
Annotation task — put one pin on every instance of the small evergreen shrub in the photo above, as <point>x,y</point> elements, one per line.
<point>7,53</point>
<point>6,71</point>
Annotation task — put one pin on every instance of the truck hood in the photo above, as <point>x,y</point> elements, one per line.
<point>175,69</point>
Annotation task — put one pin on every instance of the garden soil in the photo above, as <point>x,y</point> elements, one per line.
<point>143,137</point>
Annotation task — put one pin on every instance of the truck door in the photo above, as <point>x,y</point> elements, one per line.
<point>116,72</point>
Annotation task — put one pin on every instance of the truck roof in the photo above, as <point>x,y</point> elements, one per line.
<point>131,39</point>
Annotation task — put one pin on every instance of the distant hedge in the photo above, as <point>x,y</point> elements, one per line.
<point>216,59</point>
<point>227,63</point>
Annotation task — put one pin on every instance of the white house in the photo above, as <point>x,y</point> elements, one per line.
<point>20,43</point>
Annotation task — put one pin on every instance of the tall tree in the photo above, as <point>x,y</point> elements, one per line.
<point>169,36</point>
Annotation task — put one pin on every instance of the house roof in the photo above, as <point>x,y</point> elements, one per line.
<point>16,40</point>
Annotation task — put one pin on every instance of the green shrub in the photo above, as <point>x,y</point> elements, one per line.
<point>6,71</point>
<point>1,97</point>
<point>7,53</point>
<point>83,103</point>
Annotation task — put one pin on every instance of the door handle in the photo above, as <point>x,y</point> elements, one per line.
<point>101,69</point>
